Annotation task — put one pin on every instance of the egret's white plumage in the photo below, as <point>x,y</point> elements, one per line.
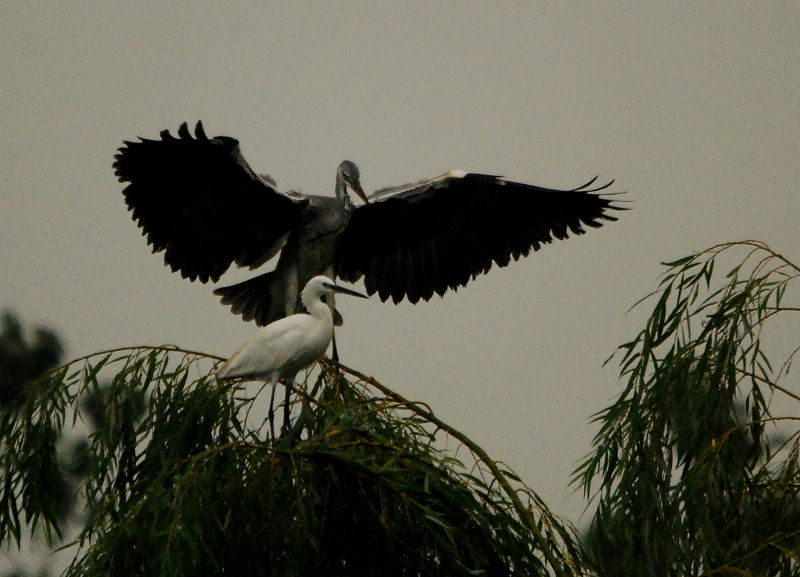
<point>281,349</point>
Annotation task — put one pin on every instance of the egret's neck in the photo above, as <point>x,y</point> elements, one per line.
<point>316,308</point>
<point>322,311</point>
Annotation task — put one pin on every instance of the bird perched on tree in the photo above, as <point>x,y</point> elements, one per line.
<point>198,200</point>
<point>283,348</point>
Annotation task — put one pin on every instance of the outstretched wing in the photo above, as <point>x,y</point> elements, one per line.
<point>424,238</point>
<point>197,199</point>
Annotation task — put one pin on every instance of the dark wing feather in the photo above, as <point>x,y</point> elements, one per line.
<point>197,199</point>
<point>431,236</point>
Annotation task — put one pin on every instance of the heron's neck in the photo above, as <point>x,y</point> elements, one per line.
<point>341,194</point>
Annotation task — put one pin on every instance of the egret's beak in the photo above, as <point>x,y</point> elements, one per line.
<point>356,186</point>
<point>347,291</point>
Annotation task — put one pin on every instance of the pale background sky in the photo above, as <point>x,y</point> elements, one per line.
<point>692,107</point>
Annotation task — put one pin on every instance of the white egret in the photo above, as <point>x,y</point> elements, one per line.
<point>197,199</point>
<point>281,349</point>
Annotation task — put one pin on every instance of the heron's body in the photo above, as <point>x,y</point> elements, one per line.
<point>197,199</point>
<point>308,251</point>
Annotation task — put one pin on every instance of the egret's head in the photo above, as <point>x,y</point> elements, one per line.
<point>332,287</point>
<point>320,287</point>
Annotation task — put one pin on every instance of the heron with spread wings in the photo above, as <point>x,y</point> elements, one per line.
<point>197,199</point>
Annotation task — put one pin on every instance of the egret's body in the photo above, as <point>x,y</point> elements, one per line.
<point>197,199</point>
<point>281,349</point>
<point>285,347</point>
<point>278,351</point>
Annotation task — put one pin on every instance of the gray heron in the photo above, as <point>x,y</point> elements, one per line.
<point>197,199</point>
<point>283,348</point>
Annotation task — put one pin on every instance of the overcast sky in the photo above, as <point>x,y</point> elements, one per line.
<point>694,111</point>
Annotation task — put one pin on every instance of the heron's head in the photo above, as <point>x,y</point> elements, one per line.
<point>349,176</point>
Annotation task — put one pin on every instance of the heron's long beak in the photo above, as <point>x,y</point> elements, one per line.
<point>347,291</point>
<point>356,186</point>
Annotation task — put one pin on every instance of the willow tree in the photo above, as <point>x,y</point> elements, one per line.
<point>690,472</point>
<point>696,466</point>
<point>195,484</point>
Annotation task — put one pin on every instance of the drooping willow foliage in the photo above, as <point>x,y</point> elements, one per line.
<point>193,484</point>
<point>696,467</point>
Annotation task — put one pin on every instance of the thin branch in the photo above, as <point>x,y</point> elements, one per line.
<point>524,513</point>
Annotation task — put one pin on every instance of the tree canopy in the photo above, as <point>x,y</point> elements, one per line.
<point>695,469</point>
<point>189,486</point>
<point>698,459</point>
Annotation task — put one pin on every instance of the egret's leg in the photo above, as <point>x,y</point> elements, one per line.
<point>271,414</point>
<point>331,300</point>
<point>285,425</point>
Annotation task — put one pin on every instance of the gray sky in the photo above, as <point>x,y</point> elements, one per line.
<point>693,111</point>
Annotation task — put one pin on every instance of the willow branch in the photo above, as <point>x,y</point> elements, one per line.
<point>525,515</point>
